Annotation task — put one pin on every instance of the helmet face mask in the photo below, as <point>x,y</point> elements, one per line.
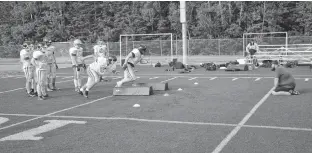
<point>142,49</point>
<point>112,59</point>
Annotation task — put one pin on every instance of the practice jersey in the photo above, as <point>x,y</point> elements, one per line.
<point>76,53</point>
<point>25,56</point>
<point>49,51</point>
<point>100,65</point>
<point>100,49</point>
<point>135,57</point>
<point>254,46</point>
<point>41,62</point>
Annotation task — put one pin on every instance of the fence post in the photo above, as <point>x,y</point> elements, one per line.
<point>160,47</point>
<point>219,47</point>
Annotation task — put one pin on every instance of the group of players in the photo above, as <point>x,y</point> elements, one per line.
<point>39,66</point>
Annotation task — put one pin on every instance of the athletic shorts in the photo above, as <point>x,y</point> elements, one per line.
<point>252,52</point>
<point>283,88</point>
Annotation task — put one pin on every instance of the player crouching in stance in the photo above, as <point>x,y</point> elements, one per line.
<point>28,68</point>
<point>134,57</point>
<point>40,62</point>
<point>284,82</point>
<point>77,62</point>
<point>96,70</point>
<point>52,66</point>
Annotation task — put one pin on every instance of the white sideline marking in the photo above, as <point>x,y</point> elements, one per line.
<point>116,78</point>
<point>213,78</point>
<point>234,79</point>
<point>257,79</point>
<point>31,133</point>
<point>192,78</point>
<point>153,78</point>
<point>67,77</point>
<point>39,117</point>
<point>161,121</point>
<point>24,88</point>
<point>168,79</point>
<point>3,120</point>
<point>241,123</point>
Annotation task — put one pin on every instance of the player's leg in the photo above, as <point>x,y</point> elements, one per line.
<point>44,83</point>
<point>79,77</point>
<point>76,78</point>
<point>27,71</point>
<point>93,79</point>
<point>282,91</point>
<point>129,76</point>
<point>49,76</point>
<point>39,84</point>
<point>53,76</point>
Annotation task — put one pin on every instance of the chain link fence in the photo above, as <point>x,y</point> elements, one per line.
<point>160,50</point>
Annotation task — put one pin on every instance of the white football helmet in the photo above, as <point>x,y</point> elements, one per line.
<point>77,43</point>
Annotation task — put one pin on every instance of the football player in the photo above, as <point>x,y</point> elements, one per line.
<point>40,62</point>
<point>52,66</point>
<point>102,66</point>
<point>133,58</point>
<point>77,62</point>
<point>28,68</point>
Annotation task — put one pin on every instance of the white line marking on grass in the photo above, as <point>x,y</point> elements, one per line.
<point>234,79</point>
<point>11,90</point>
<point>257,79</point>
<point>192,78</point>
<point>3,120</point>
<point>213,78</point>
<point>168,79</point>
<point>153,78</point>
<point>25,89</point>
<point>161,121</point>
<point>39,117</point>
<point>67,77</point>
<point>278,127</point>
<point>241,123</point>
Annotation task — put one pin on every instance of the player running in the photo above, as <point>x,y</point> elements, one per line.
<point>52,66</point>
<point>77,62</point>
<point>28,68</point>
<point>134,57</point>
<point>40,62</point>
<point>100,67</point>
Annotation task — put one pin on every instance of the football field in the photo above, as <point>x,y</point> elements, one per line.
<point>203,111</point>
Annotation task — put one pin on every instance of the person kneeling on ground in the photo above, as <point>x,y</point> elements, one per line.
<point>284,82</point>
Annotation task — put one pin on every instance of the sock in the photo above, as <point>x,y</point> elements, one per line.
<point>53,83</point>
<point>76,83</point>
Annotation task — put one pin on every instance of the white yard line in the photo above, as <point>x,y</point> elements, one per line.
<point>228,138</point>
<point>25,89</point>
<point>192,78</point>
<point>39,117</point>
<point>160,121</point>
<point>153,78</point>
<point>168,79</point>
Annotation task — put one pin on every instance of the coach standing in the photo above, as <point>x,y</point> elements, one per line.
<point>284,82</point>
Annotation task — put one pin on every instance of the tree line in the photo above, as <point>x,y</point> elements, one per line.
<point>90,21</point>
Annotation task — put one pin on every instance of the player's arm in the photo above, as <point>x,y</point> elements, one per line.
<point>89,56</point>
<point>73,56</point>
<point>247,48</point>
<point>130,55</point>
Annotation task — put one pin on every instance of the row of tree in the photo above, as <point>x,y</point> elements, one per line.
<point>89,21</point>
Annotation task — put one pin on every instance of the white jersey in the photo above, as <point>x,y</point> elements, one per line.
<point>254,46</point>
<point>100,65</point>
<point>41,62</point>
<point>25,57</point>
<point>100,49</point>
<point>77,53</point>
<point>49,51</point>
<point>136,56</point>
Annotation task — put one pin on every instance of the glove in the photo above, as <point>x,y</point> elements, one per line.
<point>56,66</point>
